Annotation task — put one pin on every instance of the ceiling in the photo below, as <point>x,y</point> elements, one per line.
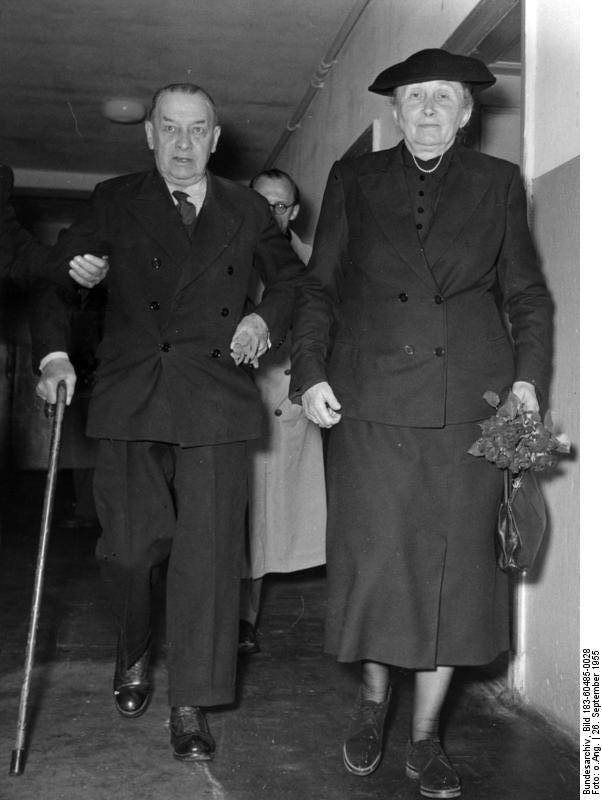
<point>60,60</point>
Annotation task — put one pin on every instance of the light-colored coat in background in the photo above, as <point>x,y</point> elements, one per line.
<point>287,496</point>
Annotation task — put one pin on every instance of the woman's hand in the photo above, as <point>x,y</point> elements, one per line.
<point>526,394</point>
<point>321,406</point>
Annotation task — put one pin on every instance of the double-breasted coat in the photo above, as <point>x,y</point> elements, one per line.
<point>165,371</point>
<point>419,336</point>
<point>409,331</point>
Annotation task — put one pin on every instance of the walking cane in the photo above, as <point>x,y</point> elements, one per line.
<point>17,762</point>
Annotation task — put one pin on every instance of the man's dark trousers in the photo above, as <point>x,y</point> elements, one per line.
<point>156,500</point>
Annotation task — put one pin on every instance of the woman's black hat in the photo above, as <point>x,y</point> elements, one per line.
<point>433,65</point>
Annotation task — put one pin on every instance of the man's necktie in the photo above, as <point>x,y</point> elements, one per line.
<point>187,211</point>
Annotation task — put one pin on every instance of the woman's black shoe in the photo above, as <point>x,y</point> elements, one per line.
<point>363,746</point>
<point>426,762</point>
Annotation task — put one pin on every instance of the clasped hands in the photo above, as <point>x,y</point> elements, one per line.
<point>88,270</point>
<point>250,341</point>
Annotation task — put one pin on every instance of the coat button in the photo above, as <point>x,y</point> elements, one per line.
<point>409,349</point>
<point>438,299</point>
<point>278,412</point>
<point>165,347</point>
<point>156,262</point>
<point>287,372</point>
<point>224,312</point>
<point>230,270</point>
<point>419,226</point>
<point>154,306</point>
<point>216,353</point>
<point>439,351</point>
<point>403,297</point>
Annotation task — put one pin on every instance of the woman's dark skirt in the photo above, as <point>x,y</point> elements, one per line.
<point>412,576</point>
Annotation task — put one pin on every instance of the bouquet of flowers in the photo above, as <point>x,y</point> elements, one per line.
<point>518,440</point>
<point>520,443</point>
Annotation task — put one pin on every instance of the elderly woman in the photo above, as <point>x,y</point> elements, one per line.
<point>399,331</point>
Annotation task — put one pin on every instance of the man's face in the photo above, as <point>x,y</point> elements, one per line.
<point>182,134</point>
<point>430,114</point>
<point>278,190</point>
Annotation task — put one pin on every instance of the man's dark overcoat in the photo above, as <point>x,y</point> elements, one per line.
<point>165,371</point>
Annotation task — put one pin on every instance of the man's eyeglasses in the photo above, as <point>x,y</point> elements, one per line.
<point>280,208</point>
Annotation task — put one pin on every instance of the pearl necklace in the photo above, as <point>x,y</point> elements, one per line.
<point>427,171</point>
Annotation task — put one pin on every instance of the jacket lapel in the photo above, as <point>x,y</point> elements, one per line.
<point>216,227</point>
<point>461,194</point>
<point>155,211</point>
<point>387,193</point>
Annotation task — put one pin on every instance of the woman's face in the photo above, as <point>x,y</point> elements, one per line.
<point>430,114</point>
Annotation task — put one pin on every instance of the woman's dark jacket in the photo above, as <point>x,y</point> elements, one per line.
<point>412,334</point>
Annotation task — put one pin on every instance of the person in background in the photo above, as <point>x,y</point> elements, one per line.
<point>23,258</point>
<point>287,496</point>
<point>174,403</point>
<point>414,248</point>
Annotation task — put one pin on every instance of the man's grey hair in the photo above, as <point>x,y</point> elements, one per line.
<point>183,88</point>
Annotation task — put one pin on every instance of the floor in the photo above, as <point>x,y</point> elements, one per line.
<point>282,739</point>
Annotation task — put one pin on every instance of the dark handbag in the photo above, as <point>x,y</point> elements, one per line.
<point>521,522</point>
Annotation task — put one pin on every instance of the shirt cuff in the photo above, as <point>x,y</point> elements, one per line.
<point>51,356</point>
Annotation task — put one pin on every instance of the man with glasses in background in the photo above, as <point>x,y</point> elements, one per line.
<point>287,500</point>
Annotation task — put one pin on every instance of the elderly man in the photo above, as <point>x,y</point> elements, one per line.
<point>172,408</point>
<point>287,497</point>
<point>398,335</point>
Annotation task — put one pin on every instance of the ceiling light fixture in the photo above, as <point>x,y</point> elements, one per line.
<point>126,110</point>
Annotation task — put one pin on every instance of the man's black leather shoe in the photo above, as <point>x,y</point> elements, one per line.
<point>190,736</point>
<point>132,687</point>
